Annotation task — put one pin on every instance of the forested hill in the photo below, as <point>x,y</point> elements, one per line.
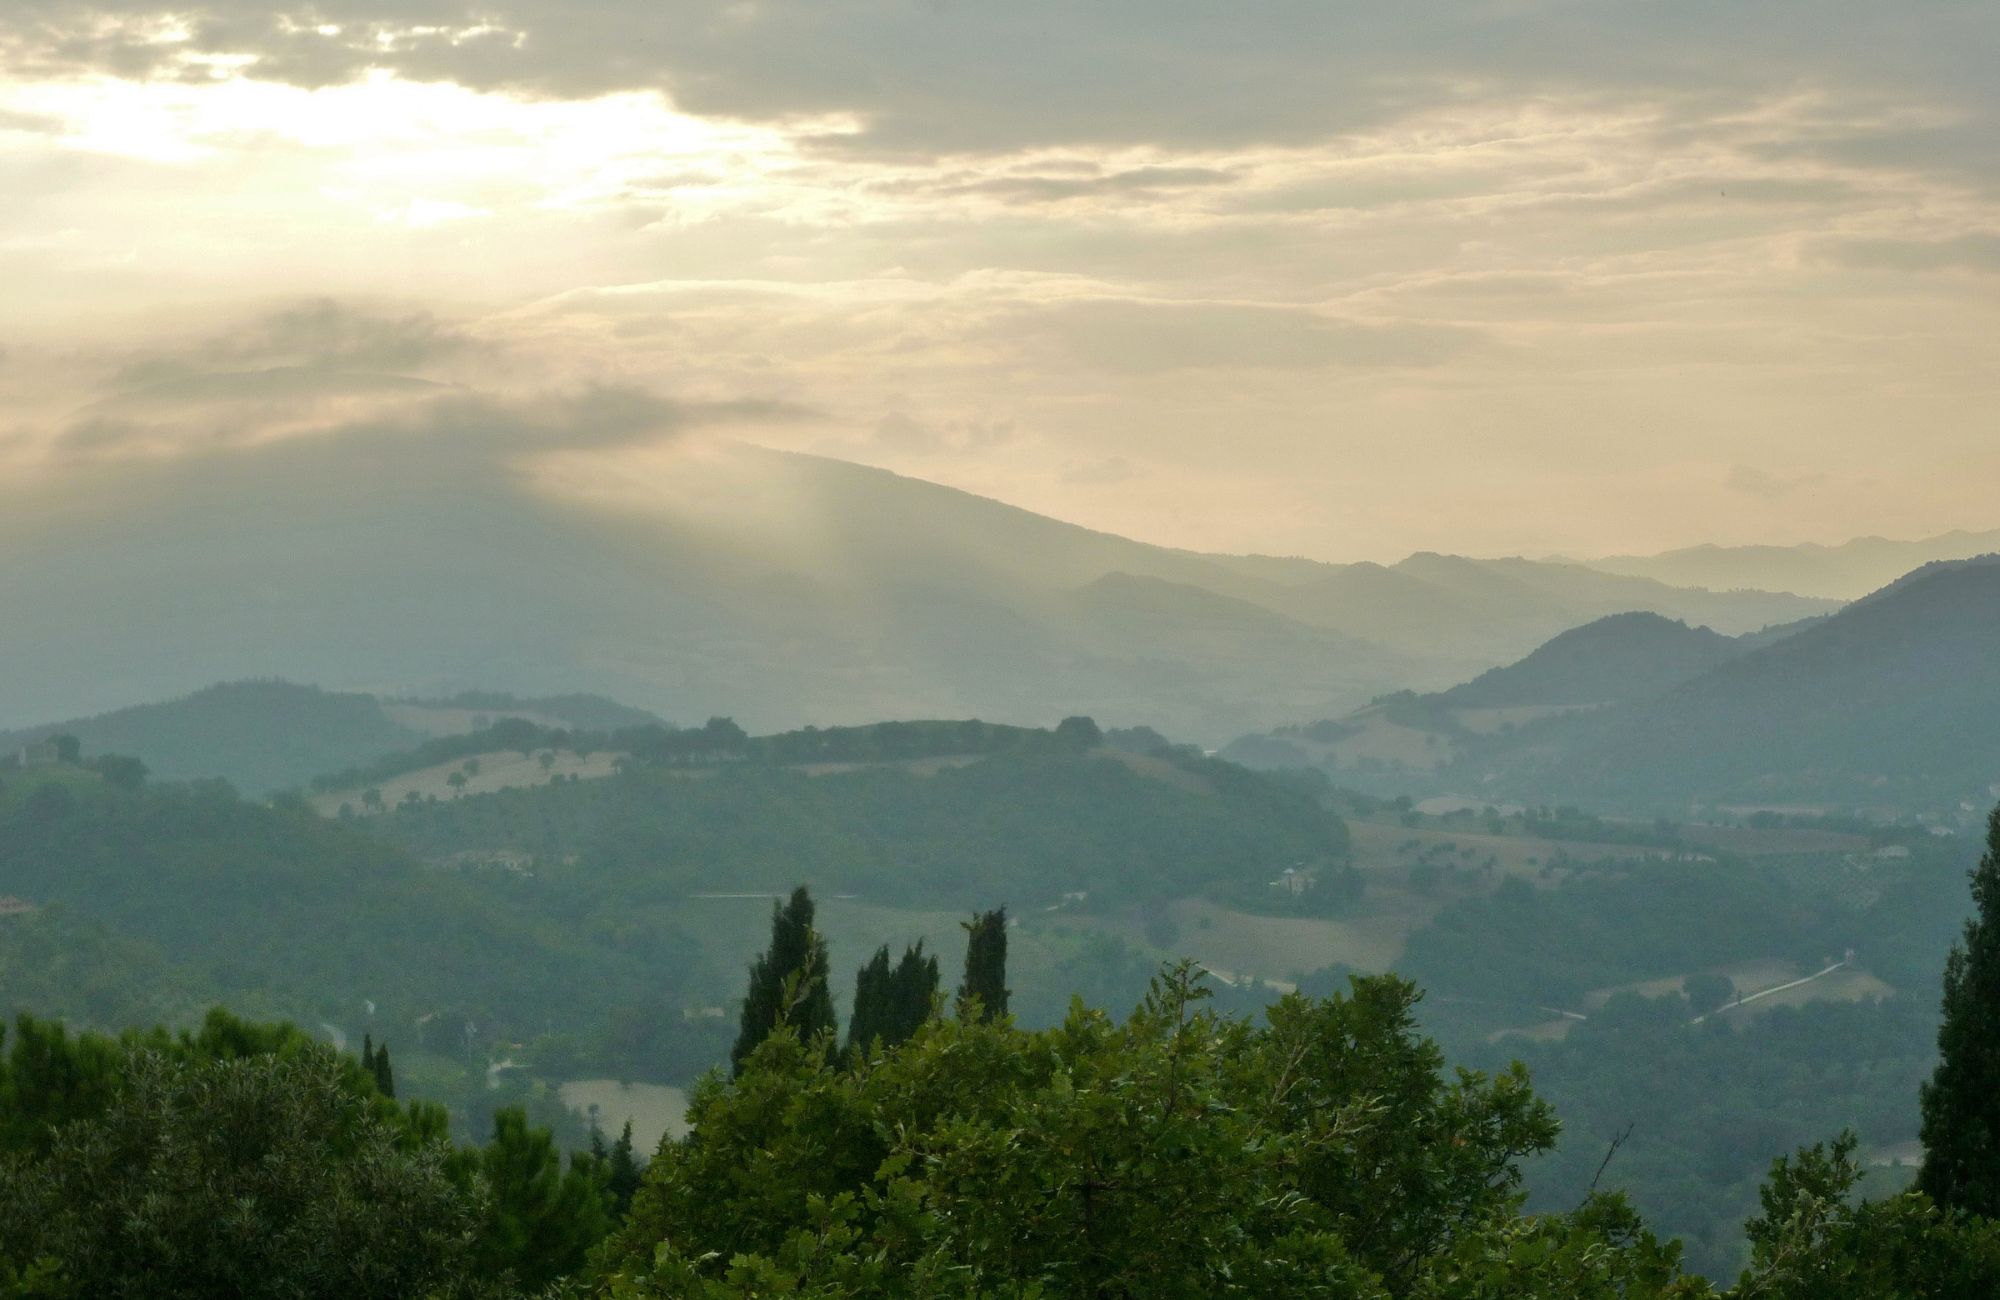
<point>1023,825</point>
<point>1622,657</point>
<point>275,907</point>
<point>260,735</point>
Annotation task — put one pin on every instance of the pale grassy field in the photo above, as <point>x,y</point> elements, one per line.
<point>1849,984</point>
<point>1385,848</point>
<point>502,770</point>
<point>433,720</point>
<point>1749,977</point>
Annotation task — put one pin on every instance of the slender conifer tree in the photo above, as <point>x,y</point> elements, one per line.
<point>1961,1103</point>
<point>775,997</point>
<point>985,966</point>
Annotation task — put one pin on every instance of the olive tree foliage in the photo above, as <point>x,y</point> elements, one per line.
<point>1175,1156</point>
<point>260,1176</point>
<point>1814,1238</point>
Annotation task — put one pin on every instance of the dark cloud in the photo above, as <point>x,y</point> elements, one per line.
<point>1131,335</point>
<point>1137,181</point>
<point>932,76</point>
<point>1979,251</point>
<point>475,427</point>
<point>320,335</point>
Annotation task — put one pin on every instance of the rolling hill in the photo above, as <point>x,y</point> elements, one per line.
<point>262,736</point>
<point>1619,658</point>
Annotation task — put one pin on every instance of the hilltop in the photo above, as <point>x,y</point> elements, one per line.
<point>1623,657</point>
<point>272,735</point>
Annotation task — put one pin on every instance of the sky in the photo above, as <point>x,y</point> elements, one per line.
<point>1344,280</point>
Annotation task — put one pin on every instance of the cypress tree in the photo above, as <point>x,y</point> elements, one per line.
<point>892,1003</point>
<point>915,986</point>
<point>368,1053</point>
<point>1961,1103</point>
<point>797,957</point>
<point>385,1078</point>
<point>985,966</point>
<point>874,995</point>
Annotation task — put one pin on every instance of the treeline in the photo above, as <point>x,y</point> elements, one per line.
<point>791,985</point>
<point>720,740</point>
<point>1028,826</point>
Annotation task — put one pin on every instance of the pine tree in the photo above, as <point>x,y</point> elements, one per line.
<point>985,966</point>
<point>788,984</point>
<point>1961,1103</point>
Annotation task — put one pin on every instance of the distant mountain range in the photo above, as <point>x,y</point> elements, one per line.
<point>1841,572</point>
<point>1891,704</point>
<point>779,589</point>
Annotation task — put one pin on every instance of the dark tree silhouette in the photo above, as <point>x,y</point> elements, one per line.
<point>788,984</point>
<point>892,1003</point>
<point>985,979</point>
<point>1961,1103</point>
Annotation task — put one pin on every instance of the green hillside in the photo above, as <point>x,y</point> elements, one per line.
<point>257,735</point>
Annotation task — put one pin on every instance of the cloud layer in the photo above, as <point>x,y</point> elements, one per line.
<point>1341,279</point>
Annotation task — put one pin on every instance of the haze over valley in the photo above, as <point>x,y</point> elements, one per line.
<point>888,651</point>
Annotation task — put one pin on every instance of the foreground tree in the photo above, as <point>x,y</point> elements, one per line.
<point>1961,1103</point>
<point>1814,1240</point>
<point>1178,1155</point>
<point>788,984</point>
<point>540,1218</point>
<point>985,982</point>
<point>258,1176</point>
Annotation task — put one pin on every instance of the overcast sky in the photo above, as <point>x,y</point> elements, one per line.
<point>1299,276</point>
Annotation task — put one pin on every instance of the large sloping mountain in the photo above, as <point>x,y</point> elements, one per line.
<point>1891,704</point>
<point>1895,702</point>
<point>776,588</point>
<point>1845,571</point>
